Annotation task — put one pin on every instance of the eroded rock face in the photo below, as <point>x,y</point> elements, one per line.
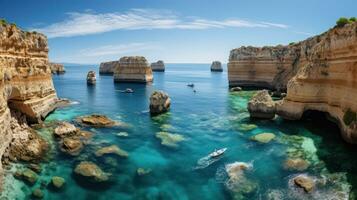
<point>57,68</point>
<point>133,69</point>
<point>107,68</point>
<point>319,73</point>
<point>96,121</point>
<point>25,81</point>
<point>158,66</point>
<point>91,78</point>
<point>159,102</point>
<point>262,105</point>
<point>216,66</point>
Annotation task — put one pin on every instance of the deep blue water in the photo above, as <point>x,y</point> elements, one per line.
<point>208,119</point>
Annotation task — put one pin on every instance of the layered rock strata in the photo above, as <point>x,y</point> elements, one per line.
<point>91,78</point>
<point>25,84</point>
<point>216,66</point>
<point>159,102</point>
<point>133,69</point>
<point>158,66</point>
<point>319,73</point>
<point>57,68</point>
<point>107,68</point>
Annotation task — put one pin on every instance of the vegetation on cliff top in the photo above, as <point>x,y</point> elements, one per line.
<point>343,21</point>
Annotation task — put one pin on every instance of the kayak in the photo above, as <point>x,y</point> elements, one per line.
<point>191,85</point>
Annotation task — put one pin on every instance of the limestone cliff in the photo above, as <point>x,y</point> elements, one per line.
<point>319,73</point>
<point>158,66</point>
<point>133,69</point>
<point>57,68</point>
<point>216,66</point>
<point>25,82</point>
<point>108,67</point>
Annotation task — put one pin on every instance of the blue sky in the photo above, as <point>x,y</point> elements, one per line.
<point>181,31</point>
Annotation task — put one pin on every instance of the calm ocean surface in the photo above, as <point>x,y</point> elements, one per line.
<point>209,119</point>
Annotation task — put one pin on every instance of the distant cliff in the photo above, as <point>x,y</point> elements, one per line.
<point>108,67</point>
<point>133,69</point>
<point>57,68</point>
<point>26,87</point>
<point>319,73</point>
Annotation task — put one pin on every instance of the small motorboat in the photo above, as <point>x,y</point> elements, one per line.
<point>128,90</point>
<point>191,85</point>
<point>217,153</point>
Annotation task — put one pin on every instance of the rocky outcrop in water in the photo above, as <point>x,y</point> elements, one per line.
<point>57,68</point>
<point>91,78</point>
<point>91,172</point>
<point>159,102</point>
<point>25,85</point>
<point>133,69</point>
<point>216,66</point>
<point>108,68</point>
<point>262,105</point>
<point>319,74</point>
<point>158,66</point>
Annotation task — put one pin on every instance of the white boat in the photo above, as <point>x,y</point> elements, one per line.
<point>128,90</point>
<point>217,153</point>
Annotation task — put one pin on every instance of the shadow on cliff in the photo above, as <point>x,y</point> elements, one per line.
<point>338,155</point>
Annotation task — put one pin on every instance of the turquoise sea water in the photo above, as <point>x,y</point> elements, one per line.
<point>209,119</point>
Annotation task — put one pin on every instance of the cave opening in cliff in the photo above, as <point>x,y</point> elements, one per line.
<point>13,101</point>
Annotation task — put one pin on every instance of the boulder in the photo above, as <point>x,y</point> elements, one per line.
<point>263,137</point>
<point>71,145</point>
<point>304,182</point>
<point>35,167</point>
<point>113,150</point>
<point>133,69</point>
<point>158,66</point>
<point>216,66</point>
<point>96,121</point>
<point>262,106</point>
<point>91,172</point>
<point>58,182</point>
<point>65,129</point>
<point>27,175</point>
<point>159,102</point>
<point>142,171</point>
<point>91,78</point>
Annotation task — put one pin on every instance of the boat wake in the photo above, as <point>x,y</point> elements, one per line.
<point>206,161</point>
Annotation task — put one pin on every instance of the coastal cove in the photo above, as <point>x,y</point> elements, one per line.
<point>208,119</point>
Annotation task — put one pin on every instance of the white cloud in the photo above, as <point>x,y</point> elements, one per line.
<point>92,23</point>
<point>117,49</point>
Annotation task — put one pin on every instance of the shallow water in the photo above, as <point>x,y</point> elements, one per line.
<point>209,119</point>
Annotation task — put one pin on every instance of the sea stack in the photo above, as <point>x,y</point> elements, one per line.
<point>107,68</point>
<point>319,74</point>
<point>159,102</point>
<point>133,69</point>
<point>27,93</point>
<point>158,66</point>
<point>216,66</point>
<point>91,79</point>
<point>57,68</point>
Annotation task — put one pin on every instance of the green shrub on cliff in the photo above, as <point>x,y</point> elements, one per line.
<point>353,19</point>
<point>342,22</point>
<point>3,22</point>
<point>349,117</point>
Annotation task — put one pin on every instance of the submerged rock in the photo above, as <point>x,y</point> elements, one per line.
<point>169,139</point>
<point>27,175</point>
<point>304,182</point>
<point>91,172</point>
<point>113,149</point>
<point>235,170</point>
<point>72,145</point>
<point>216,66</point>
<point>263,137</point>
<point>91,78</point>
<point>262,105</point>
<point>122,134</point>
<point>65,129</point>
<point>58,182</point>
<point>37,193</point>
<point>159,102</point>
<point>142,171</point>
<point>97,121</point>
<point>247,127</point>
<point>297,164</point>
